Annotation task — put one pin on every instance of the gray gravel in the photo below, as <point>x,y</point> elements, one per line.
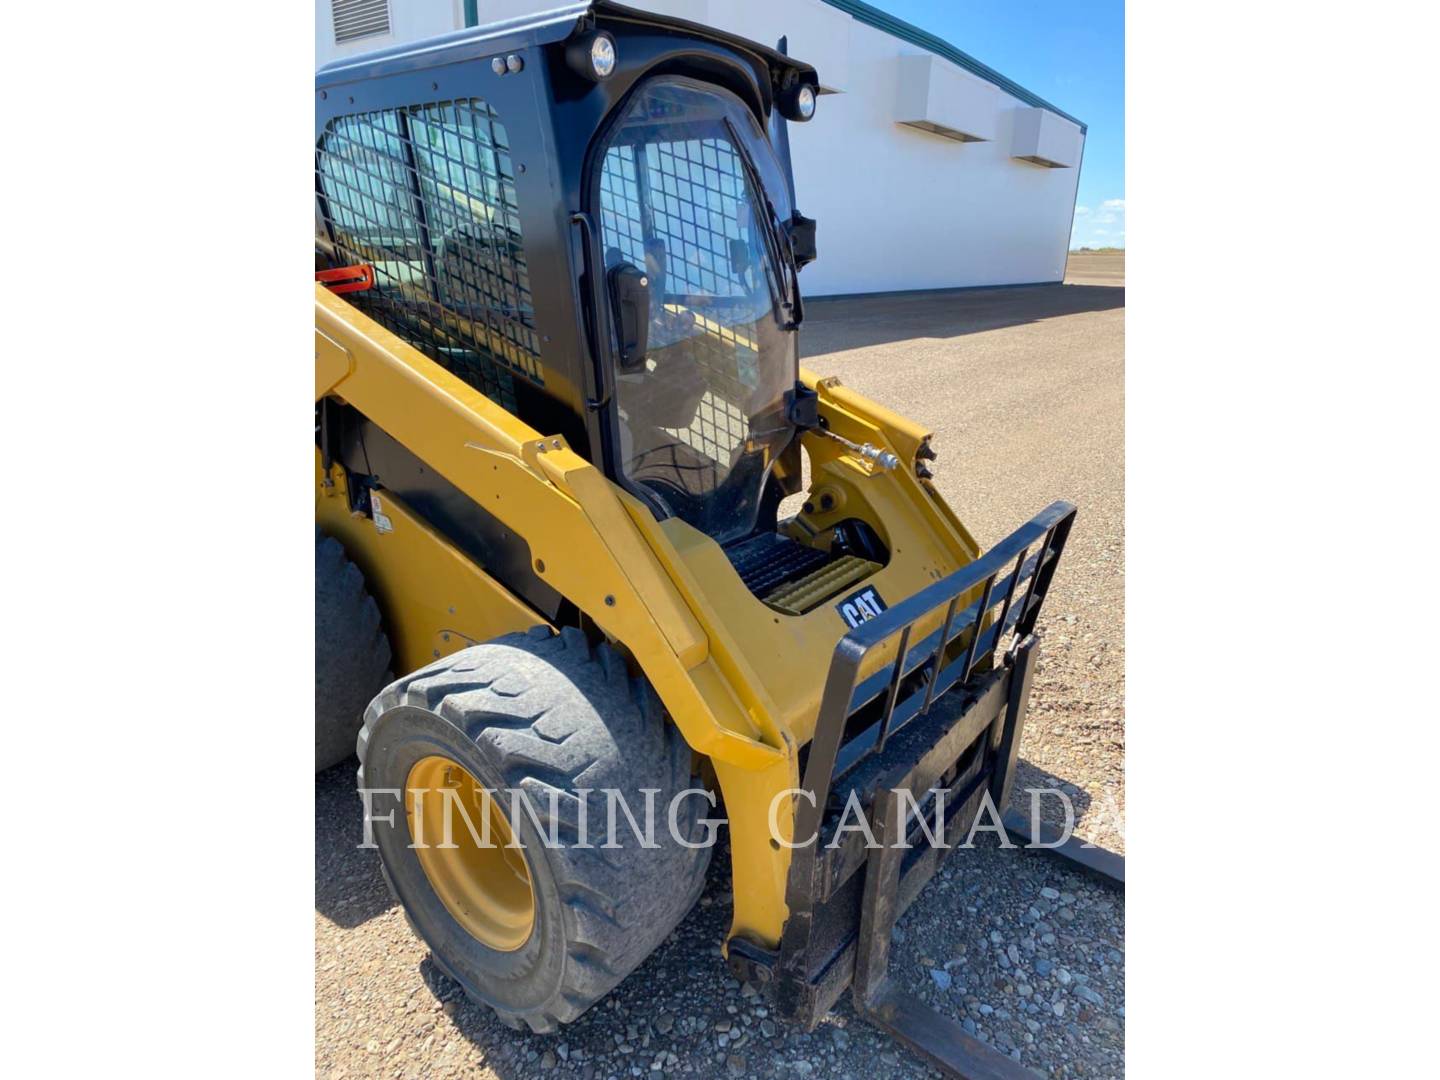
<point>1024,388</point>
<point>1035,960</point>
<point>1042,979</point>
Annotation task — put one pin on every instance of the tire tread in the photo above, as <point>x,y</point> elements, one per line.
<point>557,715</point>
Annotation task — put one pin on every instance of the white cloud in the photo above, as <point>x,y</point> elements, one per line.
<point>1111,211</point>
<point>1102,225</point>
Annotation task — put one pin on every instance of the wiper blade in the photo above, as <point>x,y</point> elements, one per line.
<point>787,267</point>
<point>772,231</point>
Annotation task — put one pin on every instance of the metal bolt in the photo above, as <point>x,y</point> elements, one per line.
<point>498,65</point>
<point>555,443</point>
<point>609,601</point>
<point>514,63</point>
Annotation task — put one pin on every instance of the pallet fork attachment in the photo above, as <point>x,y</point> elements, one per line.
<point>945,716</point>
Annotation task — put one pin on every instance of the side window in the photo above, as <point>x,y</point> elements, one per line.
<point>426,195</point>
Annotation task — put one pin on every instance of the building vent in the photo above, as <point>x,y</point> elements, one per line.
<point>356,19</point>
<point>1045,139</point>
<point>938,97</point>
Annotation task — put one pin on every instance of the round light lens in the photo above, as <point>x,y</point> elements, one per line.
<point>805,102</point>
<point>602,56</point>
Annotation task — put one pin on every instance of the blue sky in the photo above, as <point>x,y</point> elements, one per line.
<point>1071,54</point>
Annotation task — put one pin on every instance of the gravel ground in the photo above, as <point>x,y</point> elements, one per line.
<point>1024,388</point>
<point>1096,268</point>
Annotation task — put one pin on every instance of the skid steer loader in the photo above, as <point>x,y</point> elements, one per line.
<point>558,410</point>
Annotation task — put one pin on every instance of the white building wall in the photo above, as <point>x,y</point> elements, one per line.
<point>410,20</point>
<point>898,207</point>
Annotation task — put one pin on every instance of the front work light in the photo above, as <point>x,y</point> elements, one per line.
<point>805,102</point>
<point>797,102</point>
<point>592,55</point>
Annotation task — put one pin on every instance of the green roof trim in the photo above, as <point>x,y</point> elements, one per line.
<point>873,16</point>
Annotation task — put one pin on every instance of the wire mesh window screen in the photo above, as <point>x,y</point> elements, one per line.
<point>718,429</point>
<point>426,195</point>
<point>680,208</point>
<point>620,215</point>
<point>696,197</point>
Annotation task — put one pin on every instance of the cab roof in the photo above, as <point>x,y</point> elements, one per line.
<point>537,28</point>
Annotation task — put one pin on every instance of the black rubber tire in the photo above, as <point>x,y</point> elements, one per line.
<point>352,654</point>
<point>542,712</point>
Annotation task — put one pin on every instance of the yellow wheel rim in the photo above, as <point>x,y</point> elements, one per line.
<point>486,887</point>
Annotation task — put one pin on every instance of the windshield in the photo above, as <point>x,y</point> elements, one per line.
<point>701,423</point>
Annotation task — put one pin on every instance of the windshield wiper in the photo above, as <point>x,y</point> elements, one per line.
<point>777,241</point>
<point>786,266</point>
<point>797,309</point>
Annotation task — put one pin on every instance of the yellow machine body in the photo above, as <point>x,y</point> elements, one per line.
<point>740,679</point>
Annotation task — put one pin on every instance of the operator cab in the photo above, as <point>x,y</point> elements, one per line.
<point>588,215</point>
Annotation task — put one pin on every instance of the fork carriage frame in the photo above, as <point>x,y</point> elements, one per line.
<point>949,720</point>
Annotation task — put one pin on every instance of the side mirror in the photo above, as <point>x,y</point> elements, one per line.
<point>630,303</point>
<point>801,230</point>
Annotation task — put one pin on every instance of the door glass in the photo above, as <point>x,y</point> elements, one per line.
<point>702,422</point>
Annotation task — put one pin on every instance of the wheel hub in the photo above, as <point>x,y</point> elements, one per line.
<point>483,880</point>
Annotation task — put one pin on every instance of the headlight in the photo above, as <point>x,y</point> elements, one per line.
<point>805,102</point>
<point>602,56</point>
<point>797,102</point>
<point>592,56</point>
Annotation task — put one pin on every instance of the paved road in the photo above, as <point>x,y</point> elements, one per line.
<point>1024,389</point>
